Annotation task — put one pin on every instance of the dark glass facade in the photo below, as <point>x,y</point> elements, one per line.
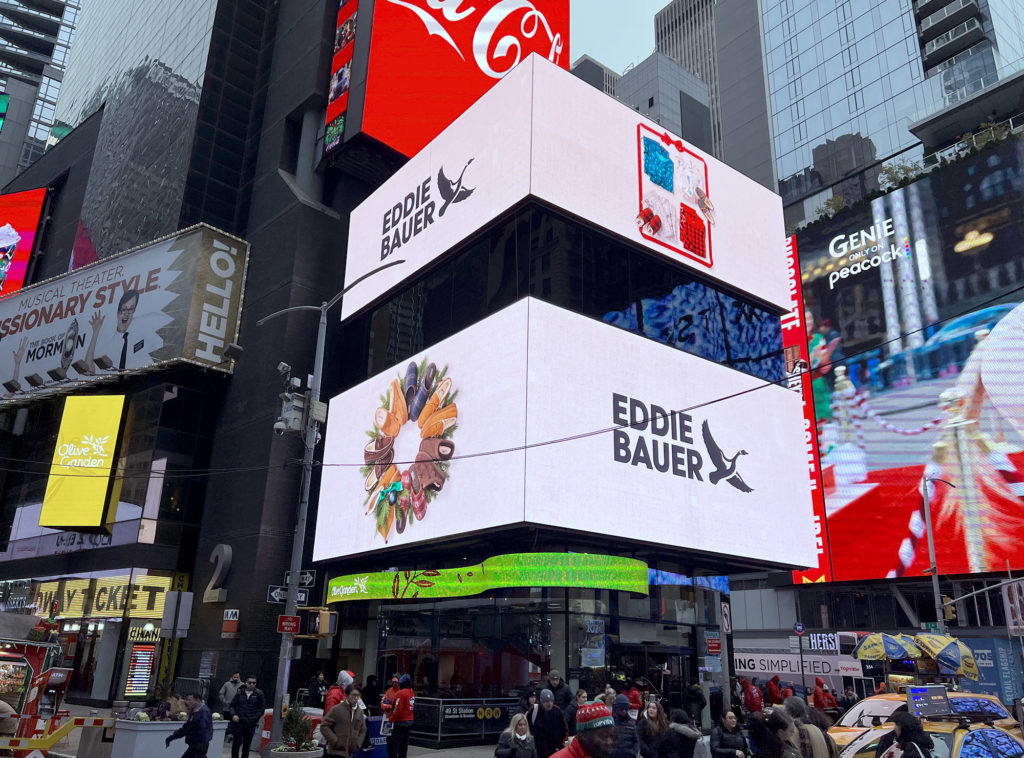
<point>537,252</point>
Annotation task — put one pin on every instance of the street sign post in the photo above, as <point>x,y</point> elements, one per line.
<point>307,578</point>
<point>278,594</point>
<point>800,629</point>
<point>288,624</point>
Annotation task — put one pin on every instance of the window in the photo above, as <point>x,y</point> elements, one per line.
<point>855,101</point>
<point>650,102</point>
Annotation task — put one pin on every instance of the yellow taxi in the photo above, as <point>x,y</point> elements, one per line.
<point>876,711</point>
<point>953,739</point>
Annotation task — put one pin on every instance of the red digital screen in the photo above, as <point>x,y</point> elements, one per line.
<point>341,72</point>
<point>914,309</point>
<point>19,217</point>
<point>428,64</point>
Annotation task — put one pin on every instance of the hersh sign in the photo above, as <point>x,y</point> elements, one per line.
<point>177,299</point>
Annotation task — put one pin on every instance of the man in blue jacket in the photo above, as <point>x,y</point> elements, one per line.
<point>197,731</point>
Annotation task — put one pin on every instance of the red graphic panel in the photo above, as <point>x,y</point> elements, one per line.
<point>675,208</point>
<point>429,61</point>
<point>19,217</point>
<point>799,365</point>
<point>341,63</point>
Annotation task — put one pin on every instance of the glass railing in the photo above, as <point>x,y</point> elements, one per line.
<point>959,57</point>
<point>949,10</point>
<point>957,31</point>
<point>938,92</point>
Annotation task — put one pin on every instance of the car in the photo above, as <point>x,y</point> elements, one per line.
<point>876,711</point>
<point>953,739</point>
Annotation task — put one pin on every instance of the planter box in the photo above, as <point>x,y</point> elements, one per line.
<point>146,738</point>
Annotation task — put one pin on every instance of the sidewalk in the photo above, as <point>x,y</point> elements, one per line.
<point>68,748</point>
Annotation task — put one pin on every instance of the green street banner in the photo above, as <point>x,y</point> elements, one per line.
<point>515,570</point>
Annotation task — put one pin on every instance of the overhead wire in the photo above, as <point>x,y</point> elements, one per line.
<point>45,466</point>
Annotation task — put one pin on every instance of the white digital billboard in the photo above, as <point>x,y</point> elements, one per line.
<point>542,132</point>
<point>541,416</point>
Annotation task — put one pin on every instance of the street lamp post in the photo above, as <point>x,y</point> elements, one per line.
<point>933,569</point>
<point>309,440</point>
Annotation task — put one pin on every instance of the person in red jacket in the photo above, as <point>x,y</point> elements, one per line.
<point>595,733</point>
<point>830,701</point>
<point>819,694</point>
<point>401,718</point>
<point>751,697</point>
<point>788,691</point>
<point>774,691</point>
<point>337,692</point>
<point>389,697</point>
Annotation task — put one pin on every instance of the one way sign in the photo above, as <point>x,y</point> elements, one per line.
<point>278,594</point>
<point>307,578</point>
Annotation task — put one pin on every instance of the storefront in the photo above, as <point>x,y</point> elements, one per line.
<point>109,632</point>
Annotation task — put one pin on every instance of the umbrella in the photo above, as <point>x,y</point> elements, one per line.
<point>949,652</point>
<point>881,646</point>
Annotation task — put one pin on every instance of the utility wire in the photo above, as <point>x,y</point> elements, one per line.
<point>187,473</point>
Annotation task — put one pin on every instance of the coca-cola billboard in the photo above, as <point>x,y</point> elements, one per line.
<point>429,60</point>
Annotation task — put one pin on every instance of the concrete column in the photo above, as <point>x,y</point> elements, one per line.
<point>305,177</point>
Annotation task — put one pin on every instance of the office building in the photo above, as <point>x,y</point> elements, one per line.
<point>595,73</point>
<point>669,95</point>
<point>34,44</point>
<point>853,86</point>
<point>686,32</point>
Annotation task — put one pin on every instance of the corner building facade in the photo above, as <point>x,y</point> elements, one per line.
<point>549,422</point>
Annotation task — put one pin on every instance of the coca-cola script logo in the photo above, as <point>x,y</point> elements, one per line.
<point>486,55</point>
<point>432,59</point>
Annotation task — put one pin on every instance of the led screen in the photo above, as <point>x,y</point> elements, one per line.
<point>341,72</point>
<point>459,440</point>
<point>430,61</point>
<point>629,177</point>
<point>19,216</point>
<point>917,296</point>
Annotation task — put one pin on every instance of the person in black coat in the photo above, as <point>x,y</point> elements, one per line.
<point>908,733</point>
<point>727,740</point>
<point>246,714</point>
<point>694,700</point>
<point>570,712</point>
<point>560,690</point>
<point>626,741</point>
<point>549,728</point>
<point>371,695</point>
<point>681,737</point>
<point>197,731</point>
<point>315,690</point>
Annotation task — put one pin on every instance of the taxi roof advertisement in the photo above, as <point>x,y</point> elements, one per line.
<point>916,296</point>
<point>176,299</point>
<point>462,438</point>
<point>629,176</point>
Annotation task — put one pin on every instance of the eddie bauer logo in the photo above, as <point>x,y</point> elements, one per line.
<point>90,452</point>
<point>454,12</point>
<point>665,455</point>
<point>406,219</point>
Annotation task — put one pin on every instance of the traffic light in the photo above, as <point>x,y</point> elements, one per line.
<point>322,623</point>
<point>948,609</point>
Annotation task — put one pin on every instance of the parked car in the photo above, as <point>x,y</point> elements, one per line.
<point>952,739</point>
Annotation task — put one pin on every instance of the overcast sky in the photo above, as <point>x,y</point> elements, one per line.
<point>613,32</point>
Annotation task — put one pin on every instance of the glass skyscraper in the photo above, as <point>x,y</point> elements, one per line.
<point>851,85</point>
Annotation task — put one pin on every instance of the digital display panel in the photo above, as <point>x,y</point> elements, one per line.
<point>486,162</point>
<point>341,72</point>
<point>914,321</point>
<point>19,217</point>
<point>499,572</point>
<point>430,61</point>
<point>928,701</point>
<point>456,440</point>
<point>78,488</point>
<point>140,670</point>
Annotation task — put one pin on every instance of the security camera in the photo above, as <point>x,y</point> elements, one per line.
<point>280,427</point>
<point>284,369</point>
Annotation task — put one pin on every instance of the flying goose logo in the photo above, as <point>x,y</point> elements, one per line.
<point>452,192</point>
<point>725,466</point>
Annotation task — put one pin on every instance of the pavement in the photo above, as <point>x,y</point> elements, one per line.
<point>68,747</point>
